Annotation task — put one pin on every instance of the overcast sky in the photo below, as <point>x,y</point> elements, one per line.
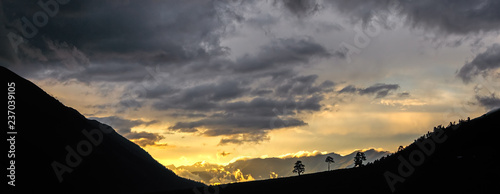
<point>216,80</point>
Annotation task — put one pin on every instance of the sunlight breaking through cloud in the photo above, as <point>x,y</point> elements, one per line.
<point>300,154</point>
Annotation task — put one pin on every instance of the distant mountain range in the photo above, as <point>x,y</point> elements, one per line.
<point>266,168</point>
<point>55,149</point>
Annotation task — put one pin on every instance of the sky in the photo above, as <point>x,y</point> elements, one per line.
<point>219,80</point>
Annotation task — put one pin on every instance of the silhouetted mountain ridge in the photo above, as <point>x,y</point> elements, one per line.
<point>59,151</point>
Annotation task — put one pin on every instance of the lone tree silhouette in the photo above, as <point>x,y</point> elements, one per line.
<point>358,159</point>
<point>329,160</point>
<point>299,168</point>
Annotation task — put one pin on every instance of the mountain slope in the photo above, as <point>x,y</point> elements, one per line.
<point>457,159</point>
<point>58,150</point>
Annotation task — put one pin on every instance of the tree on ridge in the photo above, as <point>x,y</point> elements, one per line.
<point>358,159</point>
<point>299,168</point>
<point>329,160</point>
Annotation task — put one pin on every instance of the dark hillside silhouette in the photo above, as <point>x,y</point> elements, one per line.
<point>59,151</point>
<point>459,160</point>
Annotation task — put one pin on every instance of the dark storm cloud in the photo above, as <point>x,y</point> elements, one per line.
<point>263,106</point>
<point>111,72</point>
<point>237,124</point>
<point>244,138</point>
<point>124,127</point>
<point>303,85</point>
<point>275,60</point>
<point>455,17</point>
<point>144,138</point>
<point>447,16</point>
<point>168,55</point>
<point>256,116</point>
<point>125,32</point>
<point>203,97</point>
<point>229,114</point>
<point>380,89</point>
<point>481,64</point>
<point>261,92</point>
<point>358,9</point>
<point>240,103</point>
<point>187,115</point>
<point>349,89</point>
<point>281,53</point>
<point>240,106</point>
<point>488,102</point>
<point>242,121</point>
<point>377,88</point>
<point>300,8</point>
<point>217,92</point>
<point>159,91</point>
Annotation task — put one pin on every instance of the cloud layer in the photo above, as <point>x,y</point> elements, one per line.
<point>380,90</point>
<point>483,64</point>
<point>489,102</point>
<point>446,16</point>
<point>124,127</point>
